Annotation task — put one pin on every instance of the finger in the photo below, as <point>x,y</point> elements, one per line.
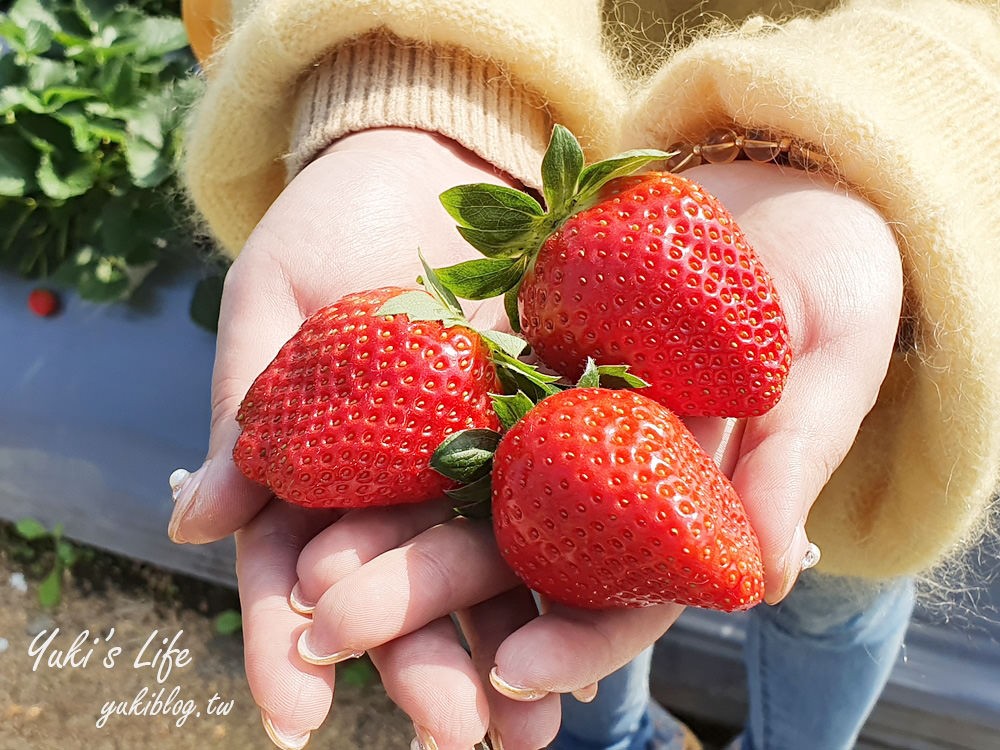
<point>258,315</point>
<point>788,455</point>
<point>569,649</point>
<point>357,538</point>
<point>448,567</point>
<point>430,677</point>
<point>514,725</point>
<point>294,697</point>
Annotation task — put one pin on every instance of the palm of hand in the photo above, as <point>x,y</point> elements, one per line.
<point>353,220</point>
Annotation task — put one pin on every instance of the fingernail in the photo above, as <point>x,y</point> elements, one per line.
<point>177,479</point>
<point>586,694</point>
<point>184,487</point>
<point>308,655</point>
<point>494,736</point>
<point>281,739</point>
<point>514,692</point>
<point>423,740</point>
<point>299,605</point>
<point>801,555</point>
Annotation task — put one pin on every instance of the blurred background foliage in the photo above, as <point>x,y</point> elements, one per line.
<point>93,95</point>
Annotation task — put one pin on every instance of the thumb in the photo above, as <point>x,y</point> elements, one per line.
<point>258,315</point>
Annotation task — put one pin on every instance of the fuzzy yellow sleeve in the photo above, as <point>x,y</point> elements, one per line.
<point>290,76</point>
<point>904,96</point>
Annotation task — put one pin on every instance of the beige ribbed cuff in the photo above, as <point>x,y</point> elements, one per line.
<point>381,81</point>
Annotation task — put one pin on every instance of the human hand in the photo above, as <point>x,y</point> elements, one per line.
<point>837,267</point>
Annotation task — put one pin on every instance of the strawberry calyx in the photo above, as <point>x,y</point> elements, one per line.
<point>508,226</point>
<point>467,456</point>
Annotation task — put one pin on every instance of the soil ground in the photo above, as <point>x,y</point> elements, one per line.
<point>58,708</point>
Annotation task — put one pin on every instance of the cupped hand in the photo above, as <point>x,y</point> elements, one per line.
<point>385,582</point>
<point>837,268</point>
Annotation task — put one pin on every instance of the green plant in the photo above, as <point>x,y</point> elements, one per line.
<point>65,556</point>
<point>92,96</point>
<point>228,622</point>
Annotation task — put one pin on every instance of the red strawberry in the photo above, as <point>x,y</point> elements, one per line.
<point>354,405</point>
<point>648,271</point>
<point>658,276</point>
<point>603,499</point>
<point>43,302</point>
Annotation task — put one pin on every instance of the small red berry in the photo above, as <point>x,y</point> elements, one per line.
<point>43,302</point>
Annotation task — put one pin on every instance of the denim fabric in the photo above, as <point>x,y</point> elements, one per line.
<point>816,664</point>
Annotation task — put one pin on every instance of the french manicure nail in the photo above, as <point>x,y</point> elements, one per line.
<point>801,554</point>
<point>282,739</point>
<point>515,692</point>
<point>184,487</point>
<point>310,656</point>
<point>177,479</point>
<point>424,740</point>
<point>586,694</point>
<point>494,736</point>
<point>298,604</point>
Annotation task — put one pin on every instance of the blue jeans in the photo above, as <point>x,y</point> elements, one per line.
<point>816,664</point>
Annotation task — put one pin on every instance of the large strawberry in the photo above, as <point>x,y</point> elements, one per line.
<point>603,499</point>
<point>649,271</point>
<point>354,405</point>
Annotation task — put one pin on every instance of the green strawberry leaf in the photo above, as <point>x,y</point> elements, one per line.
<point>561,168</point>
<point>482,278</point>
<point>518,376</point>
<point>473,500</point>
<point>467,455</point>
<point>228,622</point>
<point>498,243</point>
<point>510,307</point>
<point>510,409</point>
<point>591,377</point>
<point>595,176</point>
<point>608,376</point>
<point>418,306</point>
<point>30,529</point>
<point>513,346</point>
<point>50,589</point>
<point>491,207</point>
<point>18,163</point>
<point>433,284</point>
<point>618,376</point>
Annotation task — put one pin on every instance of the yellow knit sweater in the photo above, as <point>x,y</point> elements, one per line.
<point>904,96</point>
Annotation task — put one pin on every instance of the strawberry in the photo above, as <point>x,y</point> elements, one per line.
<point>649,271</point>
<point>43,302</point>
<point>354,405</point>
<point>603,499</point>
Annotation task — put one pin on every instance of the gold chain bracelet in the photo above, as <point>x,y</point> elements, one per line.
<point>726,144</point>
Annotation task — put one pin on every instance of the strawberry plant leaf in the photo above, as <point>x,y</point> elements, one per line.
<point>18,162</point>
<point>473,499</point>
<point>595,176</point>
<point>434,286</point>
<point>30,529</point>
<point>416,306</point>
<point>520,376</point>
<point>50,589</point>
<point>510,307</point>
<point>66,553</point>
<point>510,409</point>
<point>491,207</point>
<point>591,377</point>
<point>482,278</point>
<point>618,376</point>
<point>561,168</point>
<point>498,243</point>
<point>513,346</point>
<point>465,456</point>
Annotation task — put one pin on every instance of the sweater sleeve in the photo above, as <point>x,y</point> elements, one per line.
<point>491,74</point>
<point>904,98</point>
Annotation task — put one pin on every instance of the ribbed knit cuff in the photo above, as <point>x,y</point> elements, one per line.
<point>381,81</point>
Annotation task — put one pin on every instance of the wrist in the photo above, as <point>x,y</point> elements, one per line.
<point>434,149</point>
